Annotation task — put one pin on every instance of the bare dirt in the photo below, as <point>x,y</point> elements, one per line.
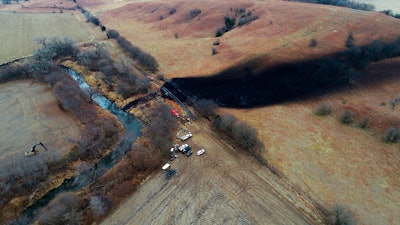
<point>30,114</point>
<point>218,187</point>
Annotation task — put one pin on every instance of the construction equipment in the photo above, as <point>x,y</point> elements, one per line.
<point>33,150</point>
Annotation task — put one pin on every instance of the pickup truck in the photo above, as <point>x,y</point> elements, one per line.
<point>170,173</point>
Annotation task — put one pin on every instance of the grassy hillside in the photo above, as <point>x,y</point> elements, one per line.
<point>331,162</point>
<point>281,34</point>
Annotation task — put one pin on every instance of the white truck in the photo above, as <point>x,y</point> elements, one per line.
<point>185,147</point>
<point>186,136</point>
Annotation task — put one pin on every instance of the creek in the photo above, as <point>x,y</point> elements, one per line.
<point>132,131</point>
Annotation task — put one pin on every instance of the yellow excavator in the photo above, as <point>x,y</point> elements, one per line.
<point>34,150</point>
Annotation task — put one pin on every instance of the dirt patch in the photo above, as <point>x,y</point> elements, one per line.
<point>219,187</point>
<point>30,114</point>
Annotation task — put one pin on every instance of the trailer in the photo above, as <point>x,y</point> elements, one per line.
<point>166,166</point>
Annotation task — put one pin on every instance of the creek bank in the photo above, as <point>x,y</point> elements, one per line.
<point>132,130</point>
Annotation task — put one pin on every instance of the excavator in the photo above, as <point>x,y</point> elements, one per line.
<point>33,150</point>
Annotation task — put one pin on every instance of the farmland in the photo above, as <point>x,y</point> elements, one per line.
<point>30,114</point>
<point>313,162</point>
<point>19,30</point>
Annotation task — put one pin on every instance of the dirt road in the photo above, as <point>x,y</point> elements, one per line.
<point>219,187</point>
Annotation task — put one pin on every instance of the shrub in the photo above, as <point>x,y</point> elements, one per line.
<point>347,117</point>
<point>145,59</point>
<point>350,40</point>
<point>392,135</point>
<point>313,43</point>
<point>364,123</point>
<point>205,107</point>
<point>161,128</point>
<point>225,123</point>
<point>240,15</point>
<point>160,76</point>
<point>394,102</point>
<point>112,34</point>
<point>99,205</point>
<point>214,51</point>
<point>242,134</point>
<point>172,11</point>
<point>323,109</point>
<point>245,136</point>
<point>64,209</point>
<point>229,23</point>
<point>192,14</point>
<point>220,31</point>
<point>342,216</point>
<point>243,20</point>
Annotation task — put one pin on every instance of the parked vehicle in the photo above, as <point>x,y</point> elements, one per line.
<point>187,148</point>
<point>200,152</point>
<point>186,136</point>
<point>189,153</point>
<point>166,166</point>
<point>182,147</point>
<point>170,173</point>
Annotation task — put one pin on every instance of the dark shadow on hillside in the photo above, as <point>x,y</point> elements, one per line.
<point>241,88</point>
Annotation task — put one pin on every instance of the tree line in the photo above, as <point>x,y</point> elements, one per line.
<point>144,59</point>
<point>350,4</point>
<point>99,133</point>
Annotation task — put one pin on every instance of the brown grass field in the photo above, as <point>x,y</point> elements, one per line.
<point>285,40</point>
<point>18,31</point>
<point>31,114</point>
<point>331,162</point>
<point>336,163</point>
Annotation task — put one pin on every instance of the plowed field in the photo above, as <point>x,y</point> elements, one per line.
<point>30,114</point>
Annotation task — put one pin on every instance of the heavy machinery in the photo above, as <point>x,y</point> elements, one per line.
<point>34,150</point>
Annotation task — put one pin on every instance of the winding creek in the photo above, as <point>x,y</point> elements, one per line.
<point>132,131</point>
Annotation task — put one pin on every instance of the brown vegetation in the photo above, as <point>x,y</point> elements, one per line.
<point>100,132</point>
<point>290,131</point>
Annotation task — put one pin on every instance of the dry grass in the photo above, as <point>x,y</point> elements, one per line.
<point>330,162</point>
<point>336,163</point>
<point>20,29</point>
<point>285,40</point>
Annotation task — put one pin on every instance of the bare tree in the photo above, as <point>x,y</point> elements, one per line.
<point>206,107</point>
<point>64,209</point>
<point>342,216</point>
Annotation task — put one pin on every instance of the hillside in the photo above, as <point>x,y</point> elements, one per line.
<point>331,162</point>
<point>281,34</point>
<point>262,72</point>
